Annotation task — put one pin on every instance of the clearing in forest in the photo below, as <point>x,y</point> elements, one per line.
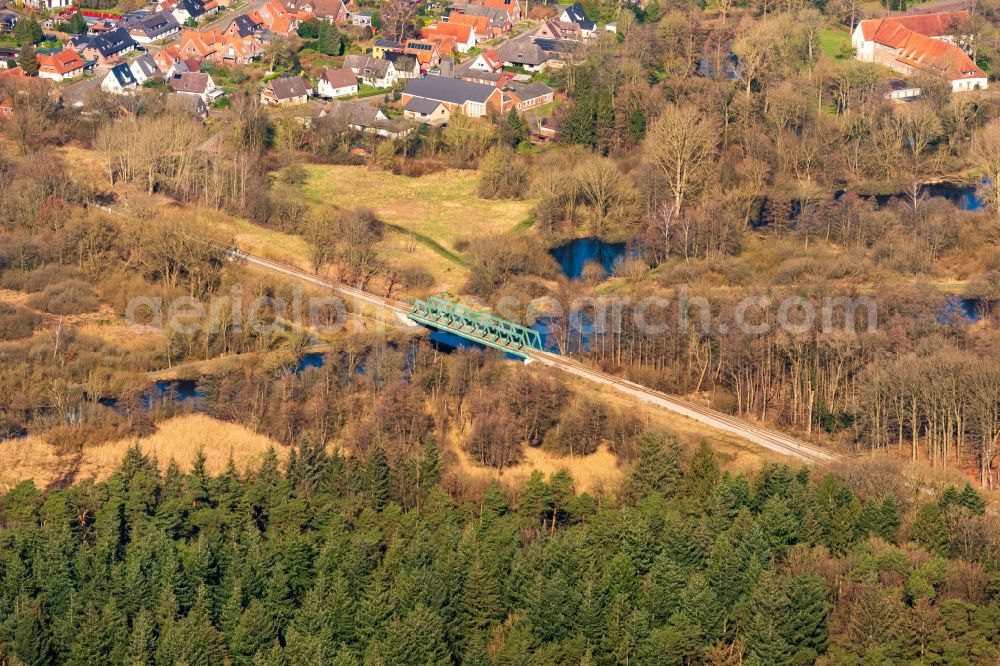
<point>438,209</point>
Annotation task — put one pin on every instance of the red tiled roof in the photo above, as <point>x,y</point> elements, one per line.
<point>63,62</point>
<point>940,57</point>
<point>933,25</point>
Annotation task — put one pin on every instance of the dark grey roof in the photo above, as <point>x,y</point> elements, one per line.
<point>401,61</point>
<point>532,90</point>
<point>287,87</point>
<point>421,105</point>
<point>557,45</point>
<point>244,25</point>
<point>124,75</point>
<point>523,52</point>
<point>146,64</point>
<point>153,25</point>
<point>498,17</point>
<point>388,44</point>
<point>577,15</point>
<point>113,42</point>
<point>81,41</point>
<point>354,113</point>
<point>192,7</point>
<point>365,65</point>
<point>453,91</point>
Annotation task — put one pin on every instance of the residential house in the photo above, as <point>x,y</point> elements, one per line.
<point>237,51</point>
<point>479,24</point>
<point>13,73</point>
<point>333,11</point>
<point>426,111</point>
<point>496,79</point>
<point>455,95</point>
<point>59,66</point>
<point>194,83</point>
<point>189,9</point>
<point>144,68</point>
<point>363,19</point>
<point>166,57</point>
<point>8,54</point>
<point>120,80</point>
<point>920,44</point>
<point>6,104</point>
<point>243,26</point>
<point>198,44</point>
<point>285,91</point>
<point>511,7</point>
<point>383,46</point>
<point>576,15</point>
<point>464,35</point>
<point>49,4</point>
<point>361,116</point>
<point>274,17</point>
<point>152,27</point>
<point>487,61</point>
<point>337,82</point>
<point>556,29</point>
<point>499,20</point>
<point>217,46</point>
<point>525,96</point>
<point>406,66</point>
<point>424,51</point>
<point>109,47</point>
<point>79,42</point>
<point>380,73</point>
<point>523,53</point>
<point>8,20</point>
<point>192,104</point>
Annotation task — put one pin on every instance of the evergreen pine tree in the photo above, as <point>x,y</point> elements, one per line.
<point>662,592</point>
<point>889,520</point>
<point>930,530</point>
<point>971,500</point>
<point>657,469</point>
<point>377,479</point>
<point>808,617</point>
<point>142,640</point>
<point>31,639</point>
<point>703,474</point>
<point>252,635</point>
<point>700,605</point>
<point>766,621</point>
<point>27,32</point>
<point>481,601</point>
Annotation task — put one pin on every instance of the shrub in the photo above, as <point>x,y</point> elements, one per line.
<point>17,323</point>
<point>417,277</point>
<point>66,298</point>
<point>36,280</point>
<point>502,175</point>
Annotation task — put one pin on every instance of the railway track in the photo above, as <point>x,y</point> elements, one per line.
<point>767,438</point>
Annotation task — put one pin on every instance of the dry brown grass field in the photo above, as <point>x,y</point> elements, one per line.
<point>179,439</point>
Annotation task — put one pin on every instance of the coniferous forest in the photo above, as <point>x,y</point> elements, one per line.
<point>336,560</point>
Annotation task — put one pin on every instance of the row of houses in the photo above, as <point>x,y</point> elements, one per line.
<point>433,99</point>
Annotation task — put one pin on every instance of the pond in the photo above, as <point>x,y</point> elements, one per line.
<point>575,254</point>
<point>964,197</point>
<point>958,310</point>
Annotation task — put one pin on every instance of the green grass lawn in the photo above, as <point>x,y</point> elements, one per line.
<point>436,210</point>
<point>834,42</point>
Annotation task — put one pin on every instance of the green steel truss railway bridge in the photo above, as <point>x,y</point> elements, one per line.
<point>526,343</point>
